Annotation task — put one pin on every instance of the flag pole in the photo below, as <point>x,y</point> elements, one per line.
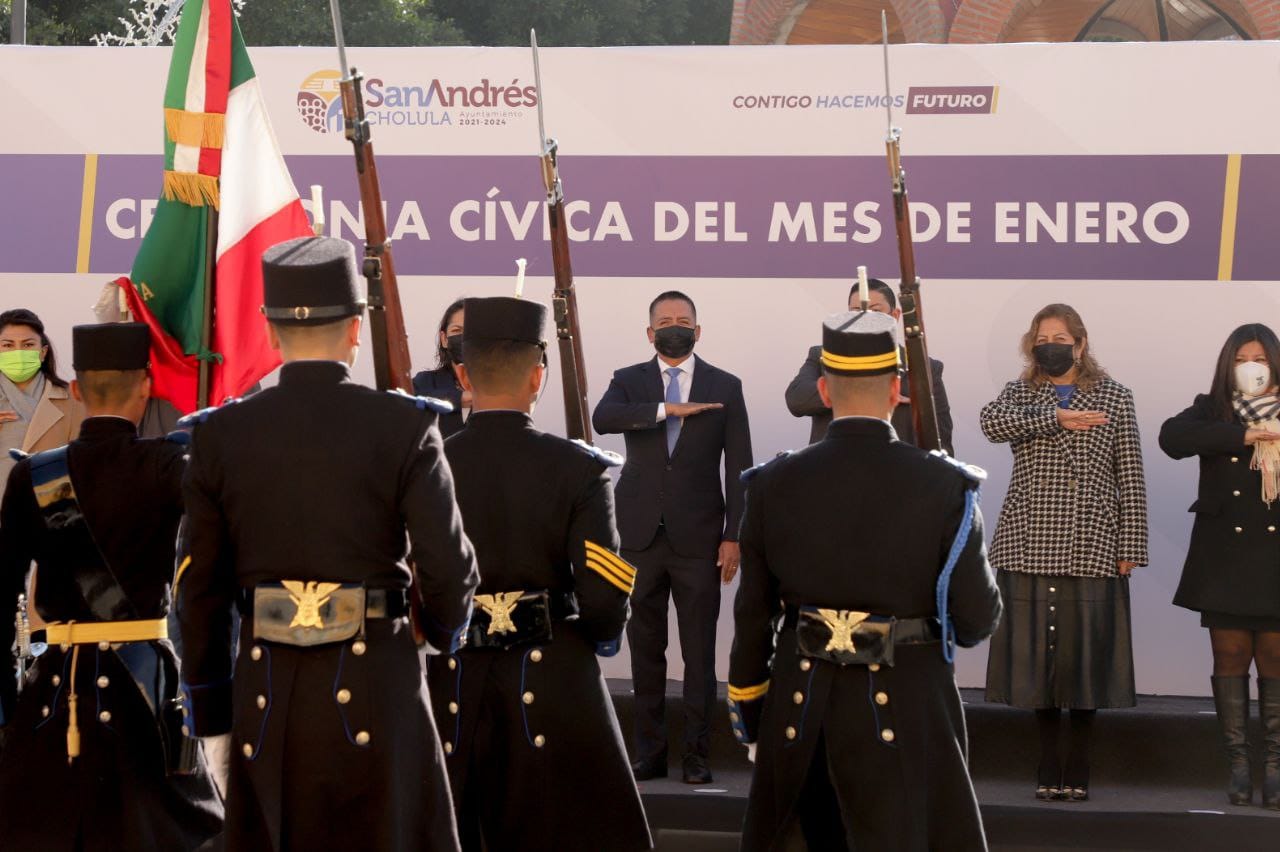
<point>204,381</point>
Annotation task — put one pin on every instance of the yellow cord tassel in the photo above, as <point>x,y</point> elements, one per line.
<point>73,729</point>
<point>191,188</point>
<point>196,129</point>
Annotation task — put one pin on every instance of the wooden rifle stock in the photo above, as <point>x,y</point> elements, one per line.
<point>564,302</point>
<point>924,411</point>
<point>391,365</point>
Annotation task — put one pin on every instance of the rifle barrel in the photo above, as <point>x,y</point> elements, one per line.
<point>335,10</point>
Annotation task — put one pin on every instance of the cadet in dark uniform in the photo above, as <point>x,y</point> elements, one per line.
<point>536,758</point>
<point>96,754</point>
<point>442,382</point>
<point>307,503</point>
<point>851,543</point>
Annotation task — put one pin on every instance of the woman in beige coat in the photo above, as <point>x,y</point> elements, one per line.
<point>36,408</point>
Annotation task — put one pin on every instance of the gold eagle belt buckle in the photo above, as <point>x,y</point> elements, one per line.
<point>845,636</point>
<point>307,612</point>
<point>499,608</point>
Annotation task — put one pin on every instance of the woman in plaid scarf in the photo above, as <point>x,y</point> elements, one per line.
<point>1232,573</point>
<point>1073,525</point>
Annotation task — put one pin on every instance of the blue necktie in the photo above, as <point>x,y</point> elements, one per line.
<point>673,396</point>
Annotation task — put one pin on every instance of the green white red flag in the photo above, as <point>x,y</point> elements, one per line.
<point>220,153</point>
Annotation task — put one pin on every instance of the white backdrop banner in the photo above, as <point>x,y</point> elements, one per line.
<point>1139,182</point>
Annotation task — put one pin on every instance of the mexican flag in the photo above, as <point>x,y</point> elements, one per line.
<point>219,154</point>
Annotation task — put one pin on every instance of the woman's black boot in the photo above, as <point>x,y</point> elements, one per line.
<point>1231,698</point>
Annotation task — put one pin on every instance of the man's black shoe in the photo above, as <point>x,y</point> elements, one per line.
<point>647,770</point>
<point>696,770</point>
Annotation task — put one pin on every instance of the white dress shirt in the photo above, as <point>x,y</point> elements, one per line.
<point>685,377</point>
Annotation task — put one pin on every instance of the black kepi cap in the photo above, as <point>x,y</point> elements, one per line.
<point>311,281</point>
<point>110,346</point>
<point>859,343</point>
<point>504,318</point>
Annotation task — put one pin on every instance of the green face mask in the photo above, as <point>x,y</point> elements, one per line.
<point>20,365</point>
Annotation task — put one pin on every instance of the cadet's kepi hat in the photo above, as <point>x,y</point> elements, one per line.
<point>311,281</point>
<point>504,318</point>
<point>110,346</point>
<point>857,343</point>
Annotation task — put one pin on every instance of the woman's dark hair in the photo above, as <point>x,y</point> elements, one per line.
<point>443,358</point>
<point>1222,392</point>
<point>24,317</point>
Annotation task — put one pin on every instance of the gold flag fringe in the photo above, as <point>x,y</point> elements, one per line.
<point>197,129</point>
<point>191,188</point>
<point>1266,460</point>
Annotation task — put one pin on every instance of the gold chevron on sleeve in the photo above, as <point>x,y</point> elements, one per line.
<point>748,693</point>
<point>613,568</point>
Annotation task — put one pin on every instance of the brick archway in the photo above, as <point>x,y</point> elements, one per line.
<point>985,21</point>
<point>760,21</point>
<point>982,21</point>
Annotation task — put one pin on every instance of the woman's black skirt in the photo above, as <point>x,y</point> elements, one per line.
<point>1063,642</point>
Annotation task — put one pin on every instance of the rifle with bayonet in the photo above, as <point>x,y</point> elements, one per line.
<point>391,366</point>
<point>924,413</point>
<point>564,300</point>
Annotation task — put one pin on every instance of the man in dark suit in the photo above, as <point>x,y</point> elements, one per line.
<point>536,758</point>
<point>679,527</point>
<point>308,507</point>
<point>98,756</point>
<point>841,664</point>
<point>802,394</point>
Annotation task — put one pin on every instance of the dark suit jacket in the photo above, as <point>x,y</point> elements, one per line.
<point>803,401</point>
<point>683,491</point>
<point>441,383</point>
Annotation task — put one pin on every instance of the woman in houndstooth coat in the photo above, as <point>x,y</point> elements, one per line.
<point>1073,525</point>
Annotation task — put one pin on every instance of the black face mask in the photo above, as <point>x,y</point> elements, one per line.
<point>674,341</point>
<point>1054,358</point>
<point>454,342</point>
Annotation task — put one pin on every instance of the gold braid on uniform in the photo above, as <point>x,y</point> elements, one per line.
<point>613,568</point>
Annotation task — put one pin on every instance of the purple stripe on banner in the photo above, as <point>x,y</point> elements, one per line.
<point>1023,217</point>
<point>40,212</point>
<point>1257,256</point>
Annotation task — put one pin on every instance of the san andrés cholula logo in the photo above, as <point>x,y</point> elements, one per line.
<point>436,104</point>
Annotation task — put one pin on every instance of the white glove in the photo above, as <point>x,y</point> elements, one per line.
<point>751,752</point>
<point>217,755</point>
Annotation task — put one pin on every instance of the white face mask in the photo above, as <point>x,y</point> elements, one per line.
<point>1252,378</point>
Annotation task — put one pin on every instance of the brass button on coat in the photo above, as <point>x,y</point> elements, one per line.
<point>874,667</point>
<point>527,698</point>
<point>358,648</point>
<point>362,738</point>
<point>1239,529</point>
<point>734,717</point>
<point>453,664</point>
<point>186,732</point>
<point>44,711</point>
<point>255,654</point>
<point>539,741</point>
<point>104,682</point>
<point>790,732</point>
<point>344,696</point>
<point>247,750</point>
<point>448,748</point>
<point>798,698</point>
<point>805,665</point>
<point>887,735</point>
<point>104,646</point>
<point>262,702</point>
<point>535,655</point>
<point>453,707</point>
<point>882,698</point>
<point>104,716</point>
<point>55,680</point>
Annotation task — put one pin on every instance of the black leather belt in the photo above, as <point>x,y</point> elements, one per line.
<point>378,603</point>
<point>505,620</point>
<point>907,631</point>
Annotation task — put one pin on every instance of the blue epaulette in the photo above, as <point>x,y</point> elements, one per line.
<point>608,458</point>
<point>971,472</point>
<point>18,455</point>
<point>439,406</point>
<point>197,417</point>
<point>750,473</point>
<point>181,437</point>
